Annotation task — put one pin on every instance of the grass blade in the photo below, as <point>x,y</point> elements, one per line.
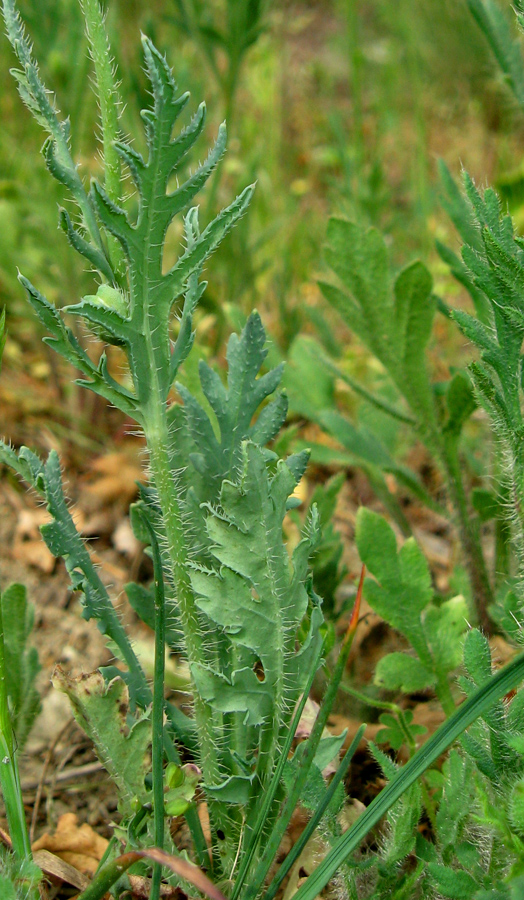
<point>504,681</point>
<point>297,848</point>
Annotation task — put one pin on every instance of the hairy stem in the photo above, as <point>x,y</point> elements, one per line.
<point>468,530</point>
<point>158,709</point>
<point>157,437</point>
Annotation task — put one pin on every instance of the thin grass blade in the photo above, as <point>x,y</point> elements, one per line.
<point>504,681</point>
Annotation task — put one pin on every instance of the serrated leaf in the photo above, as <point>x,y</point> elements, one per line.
<point>101,711</point>
<point>234,407</point>
<point>403,587</point>
<point>457,798</point>
<point>359,258</point>
<point>453,883</point>
<point>63,540</point>
<point>257,601</point>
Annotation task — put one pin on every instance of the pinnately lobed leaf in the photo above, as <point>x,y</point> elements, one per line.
<point>243,612</point>
<point>101,711</point>
<point>258,603</point>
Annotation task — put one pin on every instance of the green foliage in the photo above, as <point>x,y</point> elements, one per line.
<point>399,730</point>
<point>258,603</point>
<point>244,614</point>
<point>366,444</point>
<point>227,592</point>
<point>101,710</point>
<point>21,661</point>
<point>402,595</point>
<point>19,880</point>
<point>393,317</point>
<point>359,259</point>
<point>493,266</point>
<point>399,781</point>
<point>228,29</point>
<point>496,27</point>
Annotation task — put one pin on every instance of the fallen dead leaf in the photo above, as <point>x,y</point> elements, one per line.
<point>56,867</point>
<point>28,546</point>
<point>80,846</point>
<point>114,478</point>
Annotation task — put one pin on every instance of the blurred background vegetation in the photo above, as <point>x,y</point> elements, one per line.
<point>335,106</point>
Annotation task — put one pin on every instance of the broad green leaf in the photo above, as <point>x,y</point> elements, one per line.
<point>445,627</point>
<point>398,671</point>
<point>453,883</point>
<point>403,588</point>
<point>359,258</point>
<point>257,601</point>
<point>414,311</point>
<point>307,396</point>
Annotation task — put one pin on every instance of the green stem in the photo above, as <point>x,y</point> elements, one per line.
<point>468,529</point>
<point>444,695</point>
<point>107,95</point>
<point>444,449</point>
<point>9,774</point>
<point>392,707</point>
<point>368,701</point>
<point>157,437</point>
<point>374,399</point>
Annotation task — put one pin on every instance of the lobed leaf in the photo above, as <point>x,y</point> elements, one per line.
<point>101,711</point>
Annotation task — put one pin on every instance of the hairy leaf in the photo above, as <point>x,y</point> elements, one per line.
<point>101,711</point>
<point>21,661</point>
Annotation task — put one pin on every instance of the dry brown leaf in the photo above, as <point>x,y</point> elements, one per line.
<point>203,815</point>
<point>34,553</point>
<point>28,546</point>
<point>80,846</point>
<point>56,867</point>
<point>114,478</point>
